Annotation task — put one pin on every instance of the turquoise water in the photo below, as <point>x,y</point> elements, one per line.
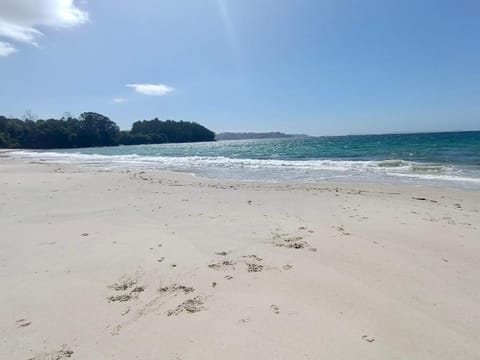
<point>440,159</point>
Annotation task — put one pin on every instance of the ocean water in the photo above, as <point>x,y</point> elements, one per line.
<point>435,159</point>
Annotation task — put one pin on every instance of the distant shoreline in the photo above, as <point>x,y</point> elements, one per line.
<point>223,136</point>
<point>255,135</point>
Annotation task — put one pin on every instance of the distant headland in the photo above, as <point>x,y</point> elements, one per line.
<point>91,129</point>
<point>255,135</point>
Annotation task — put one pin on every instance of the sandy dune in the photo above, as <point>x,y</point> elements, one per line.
<point>129,265</point>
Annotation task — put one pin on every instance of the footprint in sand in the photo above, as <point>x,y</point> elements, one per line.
<point>341,230</point>
<point>189,306</point>
<point>119,298</point>
<point>125,284</point>
<point>253,257</point>
<point>63,353</point>
<point>222,253</point>
<point>252,267</point>
<point>292,242</point>
<point>175,288</point>
<point>223,265</point>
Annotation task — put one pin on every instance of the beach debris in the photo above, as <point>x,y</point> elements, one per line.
<point>228,277</point>
<point>368,338</point>
<point>161,259</point>
<point>275,309</point>
<point>419,198</point>
<point>190,306</point>
<point>84,234</point>
<point>214,284</point>
<point>287,267</point>
<point>446,260</point>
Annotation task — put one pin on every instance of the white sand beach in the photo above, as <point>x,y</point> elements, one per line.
<point>122,265</point>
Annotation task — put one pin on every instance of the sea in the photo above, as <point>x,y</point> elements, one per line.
<point>448,159</point>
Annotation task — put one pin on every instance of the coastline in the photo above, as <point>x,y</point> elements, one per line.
<point>318,270</point>
<point>389,172</point>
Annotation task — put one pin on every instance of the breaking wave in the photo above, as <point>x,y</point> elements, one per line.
<point>394,170</point>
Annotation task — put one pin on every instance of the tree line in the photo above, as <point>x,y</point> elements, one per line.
<point>93,129</point>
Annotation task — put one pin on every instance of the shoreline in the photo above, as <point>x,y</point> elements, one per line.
<point>398,180</point>
<point>120,264</point>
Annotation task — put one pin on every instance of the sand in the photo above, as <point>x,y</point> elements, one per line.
<point>101,264</point>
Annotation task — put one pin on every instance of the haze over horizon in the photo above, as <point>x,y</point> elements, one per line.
<point>306,67</point>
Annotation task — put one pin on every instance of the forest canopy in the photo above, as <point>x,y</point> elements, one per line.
<point>93,129</point>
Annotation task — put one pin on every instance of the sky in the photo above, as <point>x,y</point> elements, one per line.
<point>317,67</point>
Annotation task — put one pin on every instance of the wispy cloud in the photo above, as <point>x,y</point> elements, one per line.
<point>6,49</point>
<point>119,100</point>
<point>19,19</point>
<point>151,89</point>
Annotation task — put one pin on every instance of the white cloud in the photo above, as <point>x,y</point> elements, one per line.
<point>19,19</point>
<point>151,89</point>
<point>18,33</point>
<point>6,49</point>
<point>119,100</point>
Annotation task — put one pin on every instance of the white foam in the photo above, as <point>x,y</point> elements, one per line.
<point>267,169</point>
<point>438,177</point>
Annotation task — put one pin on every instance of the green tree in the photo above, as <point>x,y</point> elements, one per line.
<point>97,130</point>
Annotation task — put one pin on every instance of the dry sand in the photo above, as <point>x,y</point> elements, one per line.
<point>128,265</point>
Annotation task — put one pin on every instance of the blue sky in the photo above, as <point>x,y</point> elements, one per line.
<point>299,66</point>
